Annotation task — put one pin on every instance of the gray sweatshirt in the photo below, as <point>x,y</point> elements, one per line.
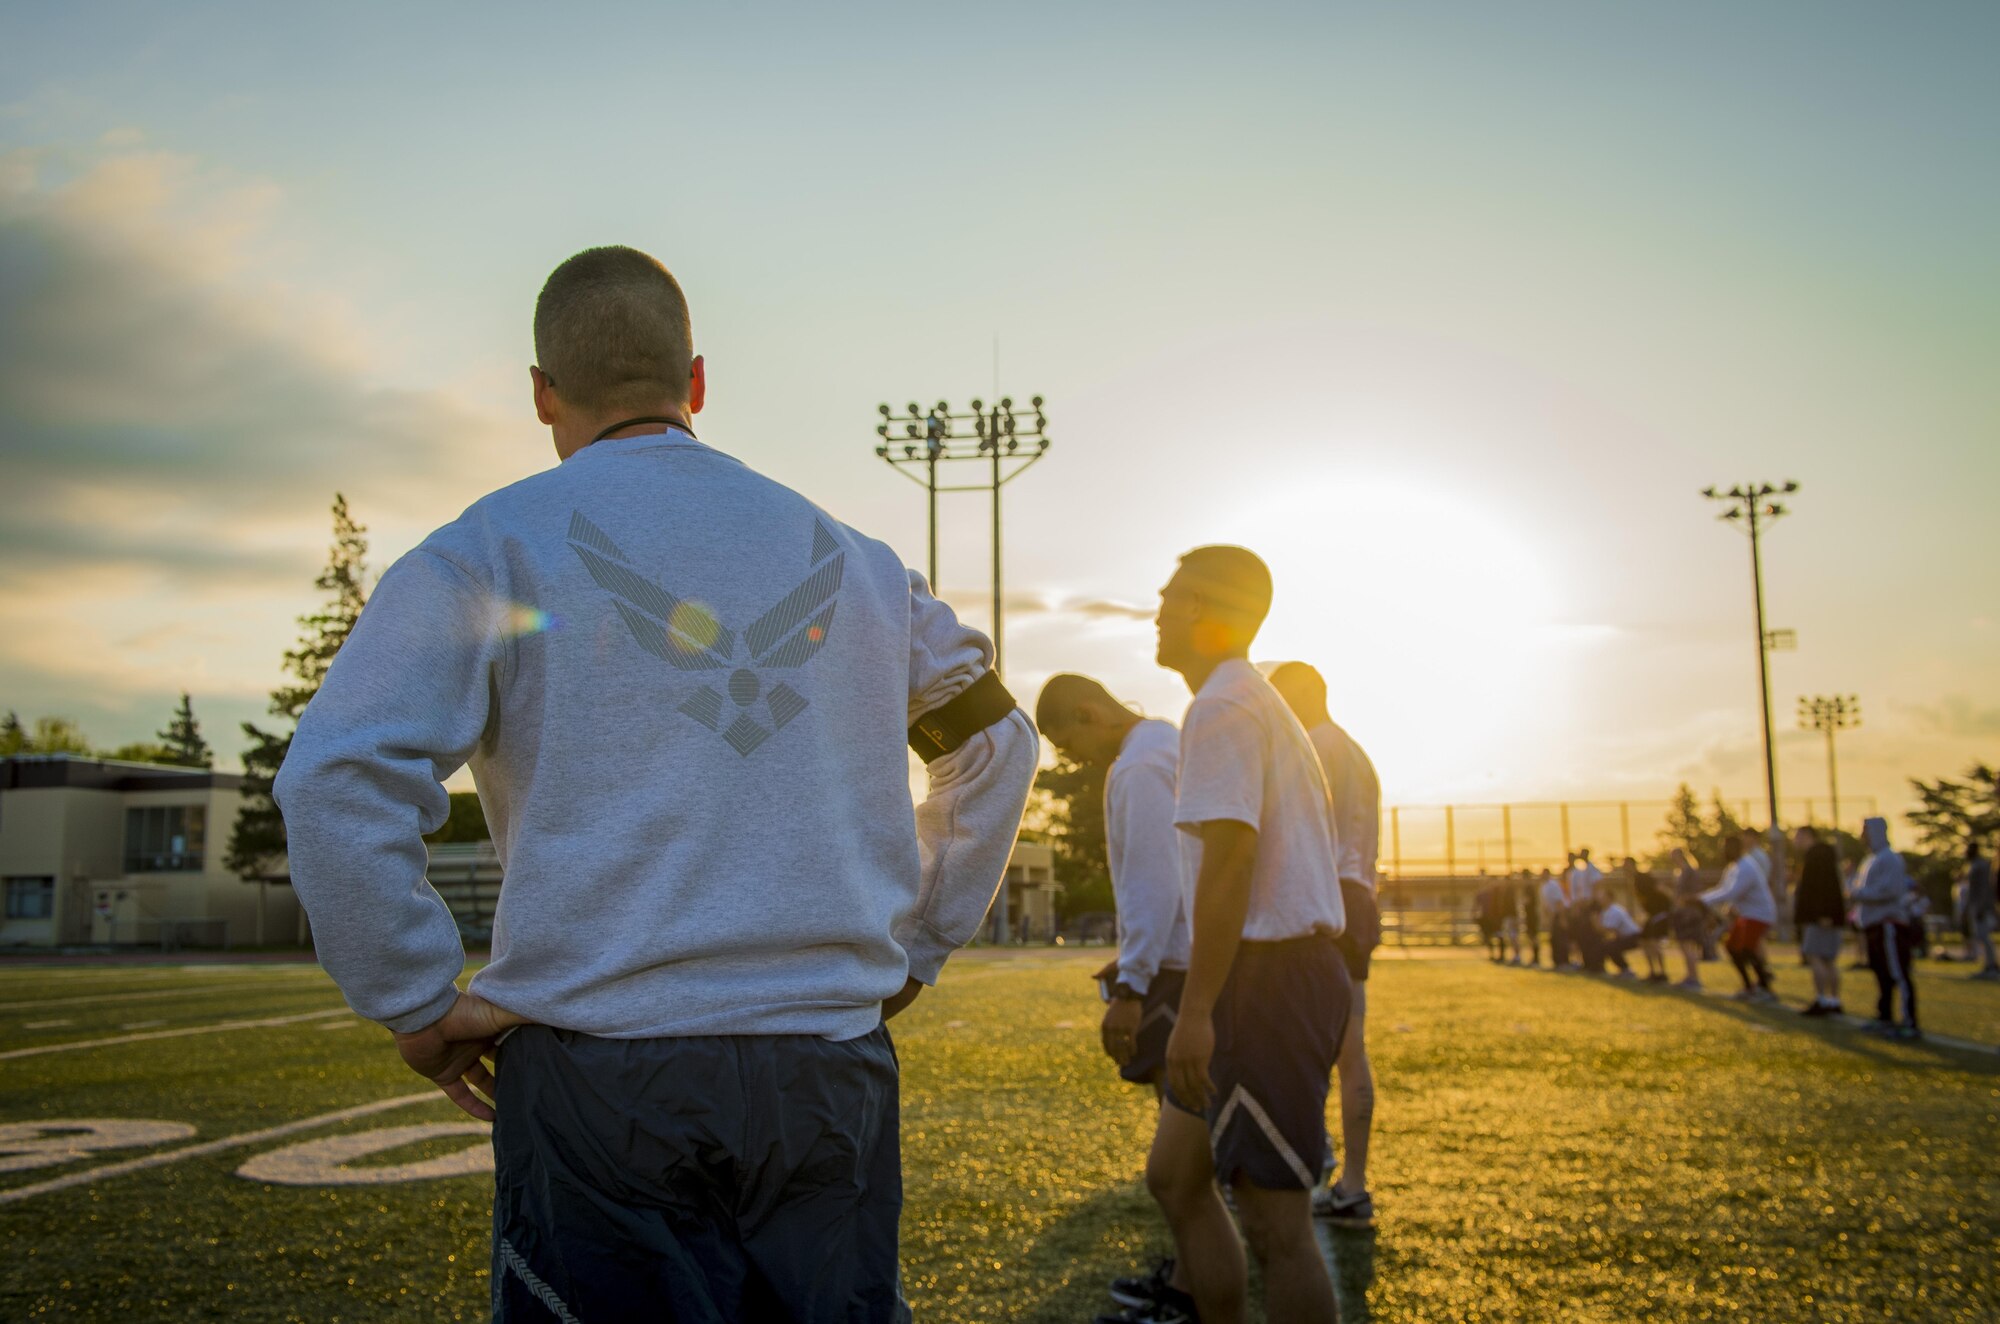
<point>683,691</point>
<point>1882,886</point>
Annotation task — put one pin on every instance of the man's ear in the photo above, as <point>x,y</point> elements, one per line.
<point>697,385</point>
<point>545,395</point>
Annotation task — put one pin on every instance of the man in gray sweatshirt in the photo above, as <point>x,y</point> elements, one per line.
<point>684,694</point>
<point>1882,896</point>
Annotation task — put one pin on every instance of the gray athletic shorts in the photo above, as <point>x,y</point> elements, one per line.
<point>702,1180</point>
<point>1822,940</point>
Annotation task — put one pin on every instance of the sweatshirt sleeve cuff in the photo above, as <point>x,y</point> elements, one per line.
<point>927,953</point>
<point>425,1016</point>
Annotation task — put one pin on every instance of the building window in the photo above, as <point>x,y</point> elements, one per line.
<point>31,898</point>
<point>164,838</point>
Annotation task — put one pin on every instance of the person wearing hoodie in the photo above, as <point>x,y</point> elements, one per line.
<point>1882,904</point>
<point>1980,917</point>
<point>1819,910</point>
<point>1745,890</point>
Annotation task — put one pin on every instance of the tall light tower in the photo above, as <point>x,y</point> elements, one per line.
<point>1008,441</point>
<point>1751,508</point>
<point>1830,713</point>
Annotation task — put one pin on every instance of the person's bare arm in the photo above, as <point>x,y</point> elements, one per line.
<point>1221,903</point>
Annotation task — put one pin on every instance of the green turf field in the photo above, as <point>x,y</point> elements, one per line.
<point>1549,1148</point>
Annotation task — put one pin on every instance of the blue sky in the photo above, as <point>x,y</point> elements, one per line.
<point>1451,309</point>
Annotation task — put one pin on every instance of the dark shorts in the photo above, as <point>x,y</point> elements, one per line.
<point>1156,1025</point>
<point>1363,934</point>
<point>1278,1026</point>
<point>1657,926</point>
<point>1690,921</point>
<point>699,1180</point>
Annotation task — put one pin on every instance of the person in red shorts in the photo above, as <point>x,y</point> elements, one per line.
<point>1746,890</point>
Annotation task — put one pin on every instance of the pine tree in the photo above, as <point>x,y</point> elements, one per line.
<point>182,739</point>
<point>257,841</point>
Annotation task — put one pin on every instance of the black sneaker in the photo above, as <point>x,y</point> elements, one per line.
<point>1908,1032</point>
<point>1139,1291</point>
<point>1170,1307</point>
<point>1329,1206</point>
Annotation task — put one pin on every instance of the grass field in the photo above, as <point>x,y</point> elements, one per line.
<point>1549,1147</point>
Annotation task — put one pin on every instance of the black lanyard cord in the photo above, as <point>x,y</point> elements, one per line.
<point>670,422</point>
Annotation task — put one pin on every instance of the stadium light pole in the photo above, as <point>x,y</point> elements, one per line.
<point>1751,507</point>
<point>1009,442</point>
<point>1830,713</point>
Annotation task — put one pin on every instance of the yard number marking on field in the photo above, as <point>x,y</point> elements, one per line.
<point>174,1034</point>
<point>119,1169</point>
<point>25,1146</point>
<point>324,1162</point>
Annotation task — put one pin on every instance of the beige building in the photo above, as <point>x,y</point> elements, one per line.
<point>1025,908</point>
<point>97,852</point>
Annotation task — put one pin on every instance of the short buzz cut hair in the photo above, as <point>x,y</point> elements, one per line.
<point>1233,580</point>
<point>1064,693</point>
<point>1303,675</point>
<point>612,331</point>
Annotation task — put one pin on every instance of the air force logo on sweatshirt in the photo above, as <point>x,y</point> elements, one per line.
<point>687,636</point>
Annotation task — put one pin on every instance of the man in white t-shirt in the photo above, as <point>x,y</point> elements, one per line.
<point>1620,932</point>
<point>1357,815</point>
<point>1583,878</point>
<point>1151,862</point>
<point>1264,1009</point>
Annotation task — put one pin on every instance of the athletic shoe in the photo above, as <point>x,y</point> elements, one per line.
<point>1656,979</point>
<point>1908,1032</point>
<point>1694,985</point>
<point>1814,1009</point>
<point>1744,995</point>
<point>1626,974</point>
<point>1880,1026</point>
<point>1171,1308</point>
<point>1765,995</point>
<point>1143,1290</point>
<point>1340,1210</point>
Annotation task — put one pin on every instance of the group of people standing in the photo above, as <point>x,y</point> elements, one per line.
<point>1258,765</point>
<point>720,891</point>
<point>1877,899</point>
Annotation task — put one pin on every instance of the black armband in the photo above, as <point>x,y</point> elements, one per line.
<point>961,717</point>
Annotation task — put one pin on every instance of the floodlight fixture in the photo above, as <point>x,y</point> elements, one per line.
<point>940,436</point>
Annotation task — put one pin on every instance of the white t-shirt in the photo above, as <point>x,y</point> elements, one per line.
<point>1583,880</point>
<point>1552,896</point>
<point>1620,921</point>
<point>1245,758</point>
<point>1357,800</point>
<point>1152,862</point>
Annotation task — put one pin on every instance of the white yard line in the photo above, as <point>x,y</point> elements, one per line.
<point>219,1028</point>
<point>46,1025</point>
<point>109,1170</point>
<point>190,991</point>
